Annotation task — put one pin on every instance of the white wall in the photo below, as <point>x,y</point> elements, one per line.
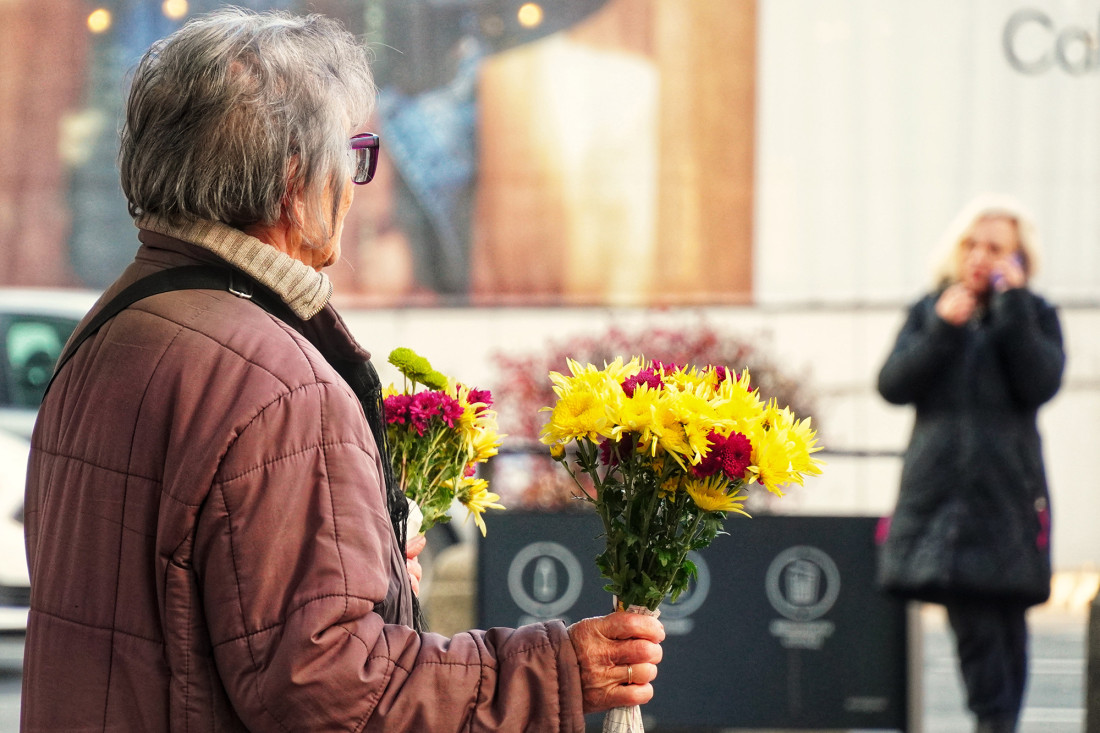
<point>878,119</point>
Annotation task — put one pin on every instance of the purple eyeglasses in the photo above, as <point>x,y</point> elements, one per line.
<point>365,146</point>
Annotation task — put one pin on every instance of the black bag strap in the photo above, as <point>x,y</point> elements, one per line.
<point>190,277</point>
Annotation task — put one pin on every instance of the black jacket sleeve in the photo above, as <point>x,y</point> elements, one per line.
<point>1029,341</point>
<point>925,345</point>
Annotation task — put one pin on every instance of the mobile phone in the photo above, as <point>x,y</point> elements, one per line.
<point>997,278</point>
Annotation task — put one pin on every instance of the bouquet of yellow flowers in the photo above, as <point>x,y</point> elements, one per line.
<point>437,437</point>
<point>670,451</point>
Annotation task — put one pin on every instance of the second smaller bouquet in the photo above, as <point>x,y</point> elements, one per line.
<point>437,437</point>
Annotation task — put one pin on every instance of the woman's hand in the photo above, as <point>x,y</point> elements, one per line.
<point>413,548</point>
<point>1008,274</point>
<point>618,656</point>
<point>956,304</point>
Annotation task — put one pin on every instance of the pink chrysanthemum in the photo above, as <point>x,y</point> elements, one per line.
<point>428,405</point>
<point>483,396</point>
<point>397,408</point>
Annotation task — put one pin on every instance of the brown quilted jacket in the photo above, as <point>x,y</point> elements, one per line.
<point>209,544</point>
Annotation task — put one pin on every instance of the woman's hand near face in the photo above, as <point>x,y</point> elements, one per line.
<point>956,304</point>
<point>606,647</point>
<point>1008,273</point>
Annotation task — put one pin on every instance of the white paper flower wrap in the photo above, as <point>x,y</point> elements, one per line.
<point>627,720</point>
<point>415,520</point>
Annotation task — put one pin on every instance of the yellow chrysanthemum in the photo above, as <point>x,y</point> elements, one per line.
<point>714,381</point>
<point>461,394</point>
<point>474,494</point>
<point>771,466</point>
<point>580,414</point>
<point>484,444</point>
<point>667,431</point>
<point>634,414</point>
<point>671,485</point>
<point>776,416</point>
<point>738,404</point>
<point>712,494</point>
<point>798,441</point>
<point>619,371</point>
<point>686,425</point>
<point>685,379</point>
<point>801,445</point>
<point>588,377</point>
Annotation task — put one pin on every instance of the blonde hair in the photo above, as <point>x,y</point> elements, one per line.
<point>987,206</point>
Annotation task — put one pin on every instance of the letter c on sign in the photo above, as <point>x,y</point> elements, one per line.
<point>1012,28</point>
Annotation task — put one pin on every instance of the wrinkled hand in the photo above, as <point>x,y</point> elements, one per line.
<point>413,548</point>
<point>605,647</point>
<point>956,304</point>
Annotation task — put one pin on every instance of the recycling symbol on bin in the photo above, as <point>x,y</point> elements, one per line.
<point>693,596</point>
<point>802,583</point>
<point>545,579</point>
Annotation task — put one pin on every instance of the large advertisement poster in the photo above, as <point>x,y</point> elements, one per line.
<point>567,152</point>
<point>582,152</point>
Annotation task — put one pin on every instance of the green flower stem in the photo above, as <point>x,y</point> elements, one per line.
<point>685,548</point>
<point>651,514</point>
<point>424,473</point>
<point>648,535</point>
<point>588,457</point>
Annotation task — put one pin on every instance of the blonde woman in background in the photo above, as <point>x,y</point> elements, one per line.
<point>977,357</point>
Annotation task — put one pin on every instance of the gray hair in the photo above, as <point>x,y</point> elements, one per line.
<point>237,113</point>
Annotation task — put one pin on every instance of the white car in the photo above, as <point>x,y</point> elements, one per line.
<point>34,326</point>
<point>15,591</point>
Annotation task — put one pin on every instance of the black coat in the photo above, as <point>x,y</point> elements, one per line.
<point>973,512</point>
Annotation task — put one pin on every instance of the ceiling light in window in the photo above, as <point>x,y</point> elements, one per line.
<point>174,9</point>
<point>99,20</point>
<point>530,15</point>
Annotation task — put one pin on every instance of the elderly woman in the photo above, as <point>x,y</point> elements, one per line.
<point>977,357</point>
<point>210,530</point>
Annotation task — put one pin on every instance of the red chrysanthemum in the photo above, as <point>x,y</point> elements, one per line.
<point>647,376</point>
<point>612,452</point>
<point>730,454</point>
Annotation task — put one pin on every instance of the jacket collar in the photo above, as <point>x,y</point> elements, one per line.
<point>304,289</point>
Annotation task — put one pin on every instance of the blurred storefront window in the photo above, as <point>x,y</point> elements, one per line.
<point>566,152</point>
